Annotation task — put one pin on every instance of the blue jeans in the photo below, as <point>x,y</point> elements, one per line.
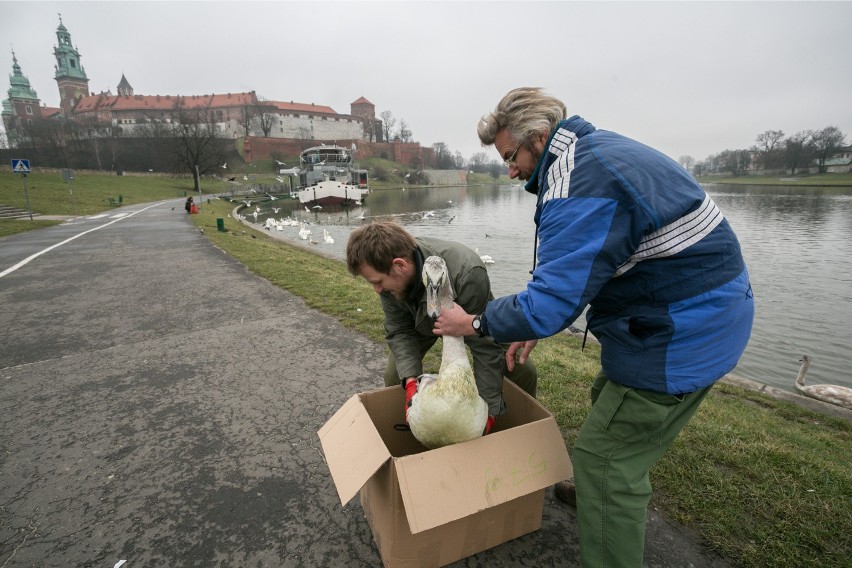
<point>626,432</point>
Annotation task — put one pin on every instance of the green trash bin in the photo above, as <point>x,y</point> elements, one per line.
<point>220,224</point>
<point>120,199</point>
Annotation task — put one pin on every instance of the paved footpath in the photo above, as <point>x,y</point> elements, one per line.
<point>159,404</point>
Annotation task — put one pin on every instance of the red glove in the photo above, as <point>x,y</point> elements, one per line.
<point>410,390</point>
<point>489,424</point>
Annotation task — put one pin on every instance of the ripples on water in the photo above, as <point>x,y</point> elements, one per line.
<point>797,243</point>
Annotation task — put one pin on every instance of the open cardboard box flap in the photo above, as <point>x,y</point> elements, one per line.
<point>455,481</point>
<point>525,454</point>
<point>353,448</point>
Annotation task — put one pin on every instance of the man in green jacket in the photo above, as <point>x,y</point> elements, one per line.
<point>391,260</point>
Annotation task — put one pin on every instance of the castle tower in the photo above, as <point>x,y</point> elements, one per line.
<point>70,75</point>
<point>23,106</point>
<point>124,88</point>
<point>366,111</point>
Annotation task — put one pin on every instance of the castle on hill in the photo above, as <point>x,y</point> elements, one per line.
<point>236,115</point>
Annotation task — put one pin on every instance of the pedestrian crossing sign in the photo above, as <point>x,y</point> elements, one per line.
<point>21,166</point>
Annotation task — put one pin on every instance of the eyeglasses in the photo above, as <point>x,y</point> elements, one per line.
<point>510,161</point>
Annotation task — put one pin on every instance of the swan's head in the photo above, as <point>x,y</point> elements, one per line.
<point>439,291</point>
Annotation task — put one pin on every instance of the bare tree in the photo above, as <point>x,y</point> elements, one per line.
<point>443,157</point>
<point>369,129</point>
<point>825,143</point>
<point>796,150</point>
<point>265,115</point>
<point>687,162</point>
<point>248,113</point>
<point>404,132</point>
<point>388,122</point>
<point>768,147</point>
<point>460,161</point>
<point>195,138</point>
<point>478,162</point>
<point>735,161</point>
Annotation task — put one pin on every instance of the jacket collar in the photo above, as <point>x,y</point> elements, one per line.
<point>575,127</point>
<point>416,289</point>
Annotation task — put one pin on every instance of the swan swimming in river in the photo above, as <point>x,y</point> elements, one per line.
<point>832,394</point>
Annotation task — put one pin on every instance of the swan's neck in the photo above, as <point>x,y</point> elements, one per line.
<point>453,351</point>
<point>803,370</point>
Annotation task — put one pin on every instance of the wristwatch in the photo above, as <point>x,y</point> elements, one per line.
<point>477,325</point>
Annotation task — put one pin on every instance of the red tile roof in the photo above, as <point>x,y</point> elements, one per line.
<point>162,102</point>
<point>301,107</point>
<point>49,112</point>
<point>362,100</point>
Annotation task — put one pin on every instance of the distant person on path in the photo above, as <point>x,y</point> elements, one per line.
<point>189,204</point>
<point>626,230</point>
<point>391,260</point>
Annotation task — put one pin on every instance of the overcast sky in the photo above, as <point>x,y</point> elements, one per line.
<point>688,78</point>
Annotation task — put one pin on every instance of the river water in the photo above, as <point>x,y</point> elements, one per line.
<point>797,243</point>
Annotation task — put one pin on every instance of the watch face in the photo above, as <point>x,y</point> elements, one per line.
<point>476,323</point>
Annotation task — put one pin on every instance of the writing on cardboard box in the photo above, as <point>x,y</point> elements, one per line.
<point>519,473</point>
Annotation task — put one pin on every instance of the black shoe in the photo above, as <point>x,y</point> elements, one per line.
<point>566,492</point>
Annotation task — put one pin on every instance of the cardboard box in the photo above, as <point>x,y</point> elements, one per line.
<point>433,507</point>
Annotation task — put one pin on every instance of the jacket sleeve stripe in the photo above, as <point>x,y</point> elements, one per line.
<point>559,173</point>
<point>676,236</point>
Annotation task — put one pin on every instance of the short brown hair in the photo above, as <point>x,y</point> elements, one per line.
<point>377,244</point>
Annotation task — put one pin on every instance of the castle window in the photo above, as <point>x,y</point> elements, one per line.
<point>29,110</point>
<point>73,63</point>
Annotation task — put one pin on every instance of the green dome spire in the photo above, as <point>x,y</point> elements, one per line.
<point>19,85</point>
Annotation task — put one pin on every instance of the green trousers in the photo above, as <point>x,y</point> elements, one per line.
<point>626,432</point>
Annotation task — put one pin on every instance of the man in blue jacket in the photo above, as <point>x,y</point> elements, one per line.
<point>624,229</point>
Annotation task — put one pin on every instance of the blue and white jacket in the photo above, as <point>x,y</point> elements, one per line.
<point>624,229</point>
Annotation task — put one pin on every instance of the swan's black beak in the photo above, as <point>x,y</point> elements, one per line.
<point>433,294</point>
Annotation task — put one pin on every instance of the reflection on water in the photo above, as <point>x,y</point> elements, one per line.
<point>797,243</point>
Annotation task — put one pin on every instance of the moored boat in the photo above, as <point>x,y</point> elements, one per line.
<point>327,176</point>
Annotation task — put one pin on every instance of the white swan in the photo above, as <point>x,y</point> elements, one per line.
<point>447,408</point>
<point>832,394</point>
<point>486,258</point>
<point>326,237</point>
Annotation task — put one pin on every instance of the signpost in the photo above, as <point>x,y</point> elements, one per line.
<point>68,175</point>
<point>22,167</point>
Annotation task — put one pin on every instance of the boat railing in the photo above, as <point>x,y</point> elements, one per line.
<point>318,158</point>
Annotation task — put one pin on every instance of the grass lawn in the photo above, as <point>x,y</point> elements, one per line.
<point>50,195</point>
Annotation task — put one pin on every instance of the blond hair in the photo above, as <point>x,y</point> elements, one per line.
<point>523,112</point>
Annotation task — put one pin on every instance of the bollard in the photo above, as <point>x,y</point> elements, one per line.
<point>120,199</point>
<point>220,224</point>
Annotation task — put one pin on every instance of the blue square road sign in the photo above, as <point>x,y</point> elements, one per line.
<point>20,166</point>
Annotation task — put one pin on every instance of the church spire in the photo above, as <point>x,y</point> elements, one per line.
<point>19,84</point>
<point>70,75</point>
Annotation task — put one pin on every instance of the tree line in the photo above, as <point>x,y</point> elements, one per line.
<point>188,140</point>
<point>773,150</point>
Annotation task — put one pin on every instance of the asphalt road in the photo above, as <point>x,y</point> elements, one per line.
<point>159,404</point>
